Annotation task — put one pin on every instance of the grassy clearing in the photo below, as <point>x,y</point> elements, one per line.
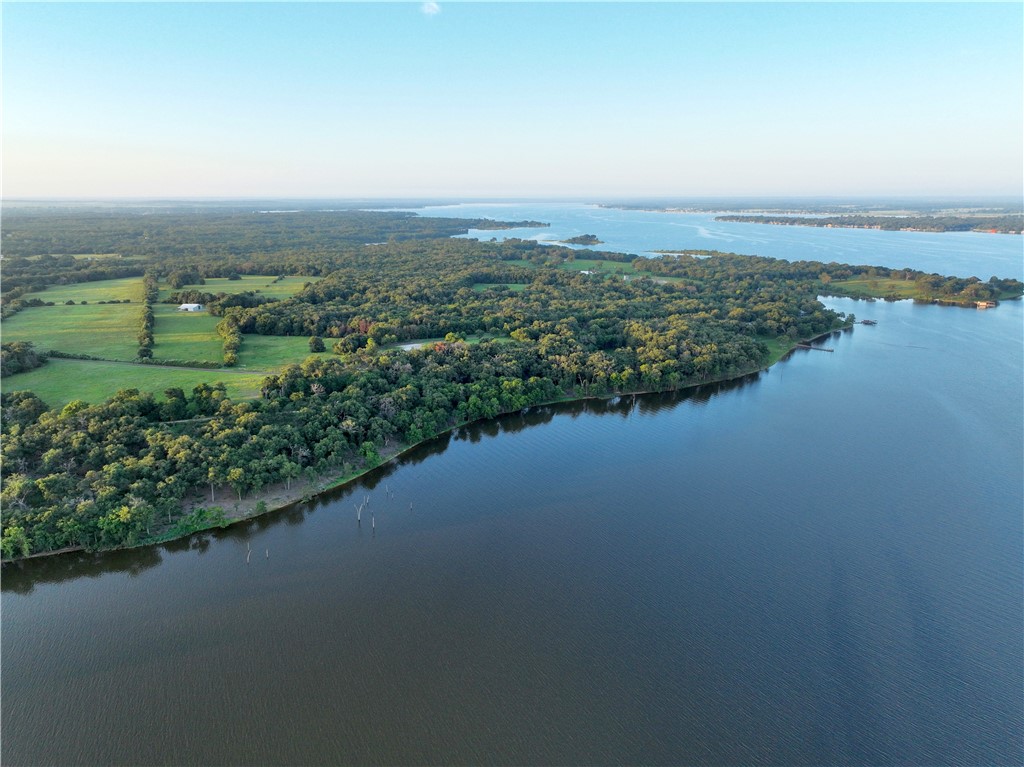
<point>596,265</point>
<point>777,347</point>
<point>659,279</point>
<point>514,287</point>
<point>418,342</point>
<point>185,335</point>
<point>102,331</point>
<point>879,287</point>
<point>101,290</point>
<point>61,381</point>
<point>274,352</point>
<point>262,284</point>
<point>887,287</point>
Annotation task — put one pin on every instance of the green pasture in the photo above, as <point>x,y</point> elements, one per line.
<point>595,265</point>
<point>60,381</point>
<point>101,290</point>
<point>262,284</point>
<point>185,335</point>
<point>879,287</point>
<point>274,352</point>
<point>108,330</point>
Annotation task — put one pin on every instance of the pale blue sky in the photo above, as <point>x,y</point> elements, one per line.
<point>375,100</point>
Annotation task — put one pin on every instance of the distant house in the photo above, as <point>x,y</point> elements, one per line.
<point>191,308</point>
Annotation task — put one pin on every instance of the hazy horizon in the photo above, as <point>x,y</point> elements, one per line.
<point>598,101</point>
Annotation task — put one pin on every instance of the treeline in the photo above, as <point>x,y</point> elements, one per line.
<point>208,234</point>
<point>1006,224</point>
<point>151,290</point>
<point>19,357</point>
<point>228,330</point>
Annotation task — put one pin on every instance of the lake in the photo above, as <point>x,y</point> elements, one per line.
<point>818,564</point>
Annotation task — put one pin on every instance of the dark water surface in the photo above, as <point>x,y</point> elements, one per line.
<point>820,564</point>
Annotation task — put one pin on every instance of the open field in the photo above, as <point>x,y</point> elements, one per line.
<point>60,381</point>
<point>262,284</point>
<point>879,287</point>
<point>416,343</point>
<point>594,265</point>
<point>185,335</point>
<point>107,331</point>
<point>887,287</point>
<point>101,290</point>
<point>515,287</point>
<point>273,352</point>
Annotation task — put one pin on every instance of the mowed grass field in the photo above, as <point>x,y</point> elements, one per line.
<point>262,284</point>
<point>880,286</point>
<point>594,265</point>
<point>60,381</point>
<point>185,335</point>
<point>102,290</point>
<point>109,331</point>
<point>271,353</point>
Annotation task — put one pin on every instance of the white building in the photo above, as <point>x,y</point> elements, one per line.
<point>191,308</point>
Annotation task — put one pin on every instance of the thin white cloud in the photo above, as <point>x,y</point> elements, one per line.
<point>430,8</point>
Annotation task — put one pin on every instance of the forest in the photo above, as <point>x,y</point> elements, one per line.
<point>492,327</point>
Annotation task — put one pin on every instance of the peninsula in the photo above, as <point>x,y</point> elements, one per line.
<point>316,356</point>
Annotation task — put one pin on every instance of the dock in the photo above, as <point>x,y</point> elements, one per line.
<point>816,348</point>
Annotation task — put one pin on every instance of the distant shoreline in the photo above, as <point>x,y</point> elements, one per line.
<point>997,224</point>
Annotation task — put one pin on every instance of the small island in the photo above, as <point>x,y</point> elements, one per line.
<point>583,239</point>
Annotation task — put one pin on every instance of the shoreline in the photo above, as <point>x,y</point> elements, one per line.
<point>875,227</point>
<point>305,492</point>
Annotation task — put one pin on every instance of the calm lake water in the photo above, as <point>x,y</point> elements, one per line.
<point>820,564</point>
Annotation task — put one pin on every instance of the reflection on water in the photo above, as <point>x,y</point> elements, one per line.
<point>23,576</point>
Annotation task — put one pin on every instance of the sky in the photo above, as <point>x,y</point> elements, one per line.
<point>485,100</point>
